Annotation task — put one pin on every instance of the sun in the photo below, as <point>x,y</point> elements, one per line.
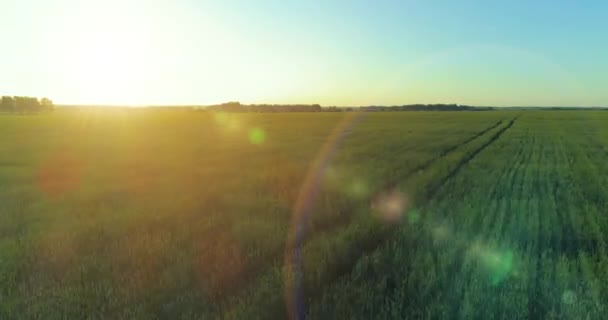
<point>129,52</point>
<point>103,58</point>
<point>112,67</point>
<point>107,68</point>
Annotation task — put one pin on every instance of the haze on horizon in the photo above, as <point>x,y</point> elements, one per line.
<point>150,52</point>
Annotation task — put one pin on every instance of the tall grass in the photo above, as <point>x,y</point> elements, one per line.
<point>173,214</point>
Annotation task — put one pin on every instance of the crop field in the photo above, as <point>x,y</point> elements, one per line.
<point>159,214</point>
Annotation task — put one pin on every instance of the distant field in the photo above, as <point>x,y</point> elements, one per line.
<point>143,214</point>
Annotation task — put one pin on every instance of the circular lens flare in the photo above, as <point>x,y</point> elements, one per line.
<point>257,136</point>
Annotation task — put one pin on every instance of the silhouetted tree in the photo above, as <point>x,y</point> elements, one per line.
<point>237,107</point>
<point>19,104</point>
<point>46,104</point>
<point>8,104</point>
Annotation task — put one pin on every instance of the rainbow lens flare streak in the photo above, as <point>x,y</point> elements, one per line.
<point>292,271</point>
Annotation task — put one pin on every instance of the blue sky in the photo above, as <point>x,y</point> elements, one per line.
<point>329,52</point>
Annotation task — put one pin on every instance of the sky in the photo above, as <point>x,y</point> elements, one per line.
<point>351,52</point>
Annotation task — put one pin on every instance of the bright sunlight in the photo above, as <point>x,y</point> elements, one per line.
<point>277,159</point>
<point>104,57</point>
<point>123,53</point>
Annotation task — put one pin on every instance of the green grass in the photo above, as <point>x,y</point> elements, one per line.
<point>142,214</point>
<point>519,232</point>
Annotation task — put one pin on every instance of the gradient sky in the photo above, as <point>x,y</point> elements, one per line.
<point>328,52</point>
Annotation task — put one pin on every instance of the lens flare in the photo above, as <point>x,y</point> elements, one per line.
<point>233,125</point>
<point>441,233</point>
<point>569,297</point>
<point>292,268</point>
<point>390,206</point>
<point>59,174</point>
<point>257,136</point>
<point>219,263</point>
<point>221,118</point>
<point>413,216</point>
<point>497,265</point>
<point>227,121</point>
<point>358,188</point>
<point>332,177</point>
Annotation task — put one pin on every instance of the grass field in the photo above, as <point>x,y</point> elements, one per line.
<point>144,214</point>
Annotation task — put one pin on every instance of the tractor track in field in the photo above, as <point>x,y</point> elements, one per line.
<point>496,214</point>
<point>342,220</point>
<point>500,223</point>
<point>368,247</point>
<point>508,228</point>
<point>372,243</point>
<point>392,185</point>
<point>456,266</point>
<point>468,158</point>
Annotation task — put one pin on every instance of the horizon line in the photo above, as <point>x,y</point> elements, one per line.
<point>71,105</point>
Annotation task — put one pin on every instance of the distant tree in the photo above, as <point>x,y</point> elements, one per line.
<point>20,104</point>
<point>33,105</point>
<point>26,105</point>
<point>46,104</point>
<point>332,109</point>
<point>237,107</point>
<point>7,104</point>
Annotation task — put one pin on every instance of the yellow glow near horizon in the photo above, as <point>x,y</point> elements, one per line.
<point>159,52</point>
<point>101,54</point>
<point>106,68</point>
<point>121,53</point>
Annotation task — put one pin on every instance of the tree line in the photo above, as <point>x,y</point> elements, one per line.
<point>19,104</point>
<point>426,107</point>
<point>238,107</point>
